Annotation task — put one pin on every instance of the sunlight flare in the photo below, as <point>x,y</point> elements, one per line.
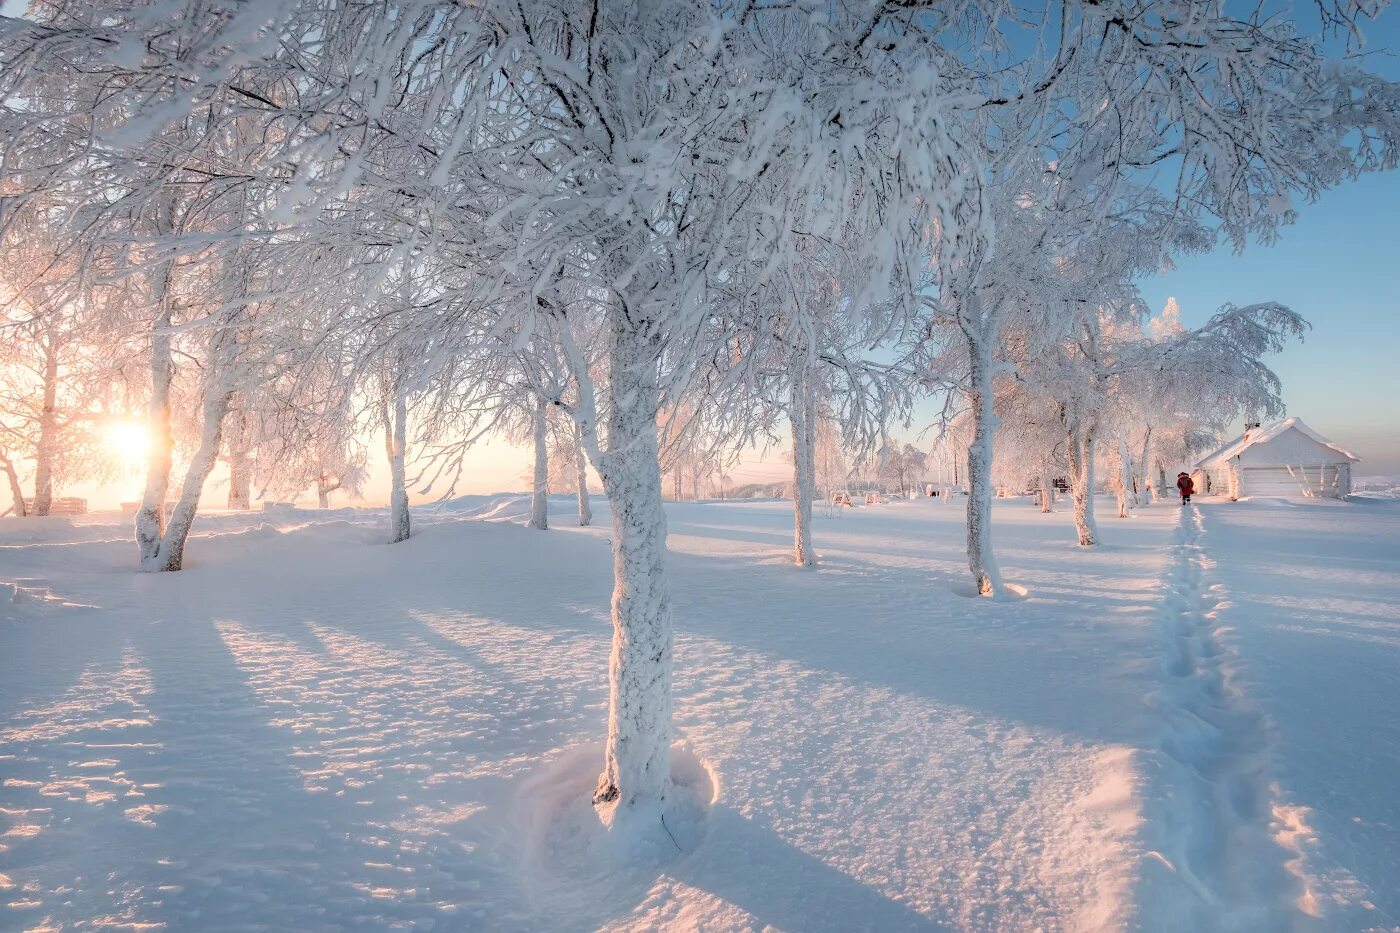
<point>129,441</point>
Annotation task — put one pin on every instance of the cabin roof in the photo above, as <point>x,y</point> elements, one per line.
<point>1266,433</point>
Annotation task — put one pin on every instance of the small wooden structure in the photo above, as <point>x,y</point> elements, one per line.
<point>1286,458</point>
<point>61,505</point>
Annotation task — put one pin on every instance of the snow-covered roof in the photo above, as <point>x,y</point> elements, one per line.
<point>1266,433</point>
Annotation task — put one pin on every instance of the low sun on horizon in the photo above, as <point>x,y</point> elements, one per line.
<point>129,442</point>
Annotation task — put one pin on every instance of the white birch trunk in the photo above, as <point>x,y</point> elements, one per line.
<point>1081,453</point>
<point>980,558</point>
<point>803,467</point>
<point>169,551</point>
<point>150,517</point>
<point>1149,489</point>
<point>16,492</point>
<point>1125,478</point>
<point>396,442</point>
<point>636,772</point>
<point>539,498</point>
<point>240,479</point>
<point>48,433</point>
<point>325,485</point>
<point>585,508</point>
<point>170,554</point>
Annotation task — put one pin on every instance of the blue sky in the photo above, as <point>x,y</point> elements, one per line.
<point>1339,267</point>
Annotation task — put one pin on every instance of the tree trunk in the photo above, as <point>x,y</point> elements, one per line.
<point>636,771</point>
<point>1081,468</point>
<point>48,433</point>
<point>396,443</point>
<point>1149,490</point>
<point>980,557</point>
<point>240,478</point>
<point>150,518</point>
<point>585,508</point>
<point>539,498</point>
<point>803,467</point>
<point>169,551</point>
<point>170,555</point>
<point>1047,494</point>
<point>16,492</point>
<point>1125,477</point>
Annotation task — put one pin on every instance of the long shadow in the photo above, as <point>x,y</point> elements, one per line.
<point>884,642</point>
<point>781,886</point>
<point>243,834</point>
<point>234,838</point>
<point>777,884</point>
<point>807,618</point>
<point>242,818</point>
<point>43,653</point>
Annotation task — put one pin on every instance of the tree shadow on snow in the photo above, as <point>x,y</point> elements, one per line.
<point>781,886</point>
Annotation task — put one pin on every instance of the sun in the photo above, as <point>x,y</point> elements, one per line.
<point>130,441</point>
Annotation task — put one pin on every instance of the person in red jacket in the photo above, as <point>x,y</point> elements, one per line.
<point>1185,487</point>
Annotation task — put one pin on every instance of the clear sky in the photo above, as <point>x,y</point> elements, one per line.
<point>1339,267</point>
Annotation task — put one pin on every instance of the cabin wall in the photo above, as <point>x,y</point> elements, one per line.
<point>1212,481</point>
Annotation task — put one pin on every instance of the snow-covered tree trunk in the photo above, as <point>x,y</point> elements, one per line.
<point>396,442</point>
<point>1081,467</point>
<point>170,554</point>
<point>1149,490</point>
<point>1047,494</point>
<point>539,498</point>
<point>1125,477</point>
<point>150,517</point>
<point>16,492</point>
<point>804,455</point>
<point>980,558</point>
<point>240,474</point>
<point>48,433</point>
<point>585,508</point>
<point>636,771</point>
<point>325,485</point>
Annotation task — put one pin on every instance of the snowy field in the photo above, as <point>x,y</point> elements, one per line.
<point>1194,726</point>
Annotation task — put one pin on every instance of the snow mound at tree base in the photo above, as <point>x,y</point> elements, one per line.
<point>571,839</point>
<point>1008,591</point>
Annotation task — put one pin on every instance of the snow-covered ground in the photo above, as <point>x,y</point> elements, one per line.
<point>1378,487</point>
<point>1194,726</point>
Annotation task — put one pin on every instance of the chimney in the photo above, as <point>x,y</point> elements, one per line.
<point>1251,426</point>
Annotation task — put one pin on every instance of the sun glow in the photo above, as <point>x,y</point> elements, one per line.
<point>130,441</point>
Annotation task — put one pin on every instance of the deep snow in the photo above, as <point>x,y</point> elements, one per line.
<point>1195,724</point>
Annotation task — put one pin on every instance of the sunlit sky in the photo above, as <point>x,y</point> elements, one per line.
<point>1338,266</point>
